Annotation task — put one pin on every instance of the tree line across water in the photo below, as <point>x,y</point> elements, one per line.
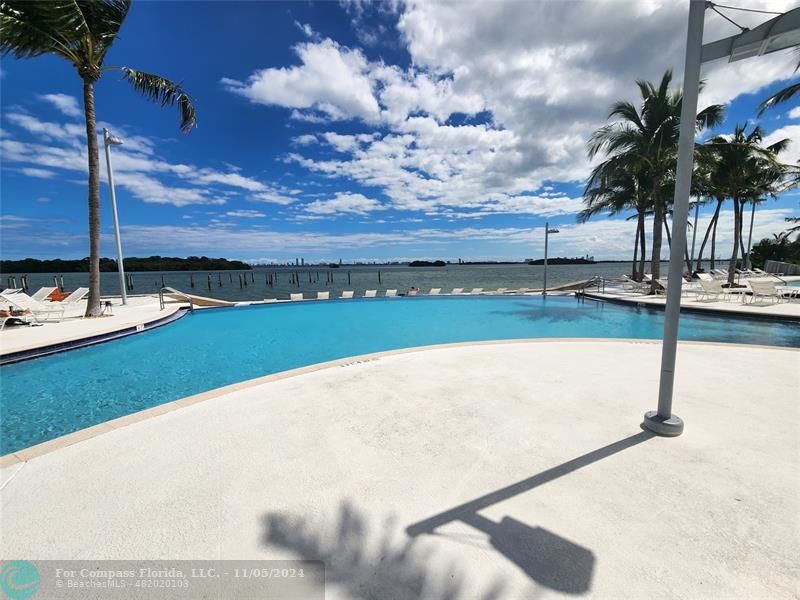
<point>639,148</point>
<point>151,263</point>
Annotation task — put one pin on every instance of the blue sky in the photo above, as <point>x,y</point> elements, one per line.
<point>357,131</point>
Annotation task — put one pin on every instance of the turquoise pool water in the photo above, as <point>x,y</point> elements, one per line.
<point>47,397</point>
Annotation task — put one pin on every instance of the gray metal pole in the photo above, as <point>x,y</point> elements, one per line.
<point>662,421</point>
<point>120,268</point>
<point>747,262</point>
<point>692,266</point>
<point>546,233</point>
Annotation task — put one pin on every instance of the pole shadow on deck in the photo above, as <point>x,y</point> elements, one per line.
<point>547,558</point>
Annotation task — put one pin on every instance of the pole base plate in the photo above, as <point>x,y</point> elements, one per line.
<point>671,427</point>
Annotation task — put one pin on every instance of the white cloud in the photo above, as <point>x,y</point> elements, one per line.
<point>794,113</point>
<point>245,214</point>
<point>345,203</point>
<point>68,105</point>
<point>305,140</point>
<point>137,168</point>
<point>39,173</point>
<point>531,88</point>
<point>332,80</point>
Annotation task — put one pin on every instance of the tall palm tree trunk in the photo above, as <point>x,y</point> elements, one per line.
<point>635,250</point>
<point>642,247</point>
<point>669,243</point>
<point>711,225</point>
<point>658,225</point>
<point>737,226</point>
<point>714,245</point>
<point>93,308</point>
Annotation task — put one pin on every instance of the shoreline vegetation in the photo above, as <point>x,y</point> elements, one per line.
<point>133,264</point>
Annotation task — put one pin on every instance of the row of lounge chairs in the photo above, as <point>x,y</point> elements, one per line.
<point>413,292</point>
<point>36,307</point>
<point>708,287</point>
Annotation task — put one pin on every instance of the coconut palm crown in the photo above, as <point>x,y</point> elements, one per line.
<point>648,135</point>
<point>82,32</point>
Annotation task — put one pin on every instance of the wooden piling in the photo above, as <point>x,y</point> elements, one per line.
<point>240,281</point>
<point>61,287</point>
<point>209,281</point>
<point>191,280</point>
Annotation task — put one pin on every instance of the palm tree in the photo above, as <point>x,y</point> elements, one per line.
<point>648,135</point>
<point>744,171</point>
<point>781,96</point>
<point>614,187</point>
<point>82,31</point>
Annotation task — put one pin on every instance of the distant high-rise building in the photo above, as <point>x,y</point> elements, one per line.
<point>302,262</point>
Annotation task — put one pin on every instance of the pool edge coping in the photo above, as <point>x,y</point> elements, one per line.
<point>25,454</point>
<point>107,335</point>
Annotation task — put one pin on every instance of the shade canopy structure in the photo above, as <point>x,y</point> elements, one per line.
<point>779,33</point>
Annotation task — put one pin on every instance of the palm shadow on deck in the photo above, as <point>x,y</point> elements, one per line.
<point>401,570</point>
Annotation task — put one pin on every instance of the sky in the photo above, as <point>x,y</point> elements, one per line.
<point>361,131</point>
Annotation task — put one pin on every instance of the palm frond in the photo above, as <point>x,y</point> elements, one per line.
<point>779,97</point>
<point>711,116</point>
<point>103,19</point>
<point>35,27</point>
<point>163,91</point>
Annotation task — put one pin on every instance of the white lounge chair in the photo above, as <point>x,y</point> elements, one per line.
<point>43,293</point>
<point>476,291</point>
<point>347,294</point>
<point>712,290</point>
<point>323,295</point>
<point>296,297</point>
<point>391,293</point>
<point>434,291</point>
<point>762,289</point>
<point>75,296</point>
<point>37,309</point>
<point>457,291</point>
<point>631,285</point>
<point>501,291</point>
<point>370,294</point>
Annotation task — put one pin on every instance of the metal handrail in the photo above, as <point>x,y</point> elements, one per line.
<point>173,291</point>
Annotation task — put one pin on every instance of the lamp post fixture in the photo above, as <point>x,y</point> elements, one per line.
<point>547,232</point>
<point>778,33</point>
<point>109,141</point>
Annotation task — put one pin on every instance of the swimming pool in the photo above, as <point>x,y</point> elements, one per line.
<point>50,396</point>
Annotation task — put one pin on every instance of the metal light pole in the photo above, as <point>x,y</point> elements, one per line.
<point>547,232</point>
<point>111,140</point>
<point>776,34</point>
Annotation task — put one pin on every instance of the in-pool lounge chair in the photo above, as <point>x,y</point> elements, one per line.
<point>323,295</point>
<point>371,294</point>
<point>434,291</point>
<point>390,293</point>
<point>295,297</point>
<point>347,294</point>
<point>457,291</point>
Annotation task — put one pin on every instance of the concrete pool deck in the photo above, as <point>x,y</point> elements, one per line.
<point>733,306</point>
<point>138,311</point>
<point>499,470</point>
